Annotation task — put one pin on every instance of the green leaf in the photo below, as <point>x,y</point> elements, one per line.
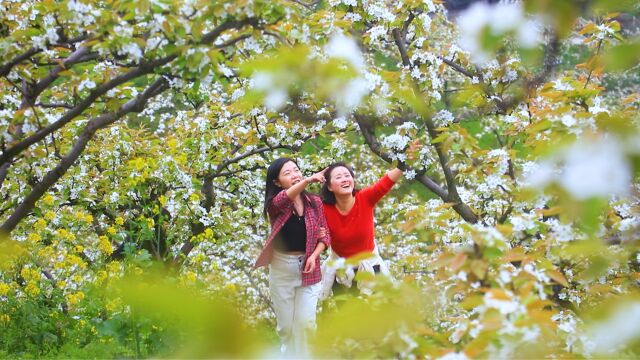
<point>622,57</point>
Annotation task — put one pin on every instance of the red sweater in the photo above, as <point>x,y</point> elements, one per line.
<point>354,233</point>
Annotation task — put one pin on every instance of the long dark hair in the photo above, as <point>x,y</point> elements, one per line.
<point>328,197</point>
<point>271,189</point>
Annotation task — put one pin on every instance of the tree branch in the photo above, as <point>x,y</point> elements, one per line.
<point>134,105</point>
<point>400,43</point>
<point>374,145</point>
<point>29,98</point>
<point>142,69</point>
<point>456,67</point>
<point>6,68</point>
<point>83,105</point>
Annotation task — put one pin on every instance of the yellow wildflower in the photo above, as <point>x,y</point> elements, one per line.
<point>4,289</point>
<point>4,318</point>
<point>150,222</point>
<point>119,221</point>
<point>48,200</point>
<point>172,143</point>
<point>191,276</point>
<point>46,253</point>
<point>32,289</point>
<point>40,224</point>
<point>73,299</point>
<point>180,158</point>
<point>88,218</point>
<point>101,276</point>
<point>104,245</point>
<point>61,284</point>
<point>61,232</point>
<point>163,200</point>
<point>75,260</point>
<point>78,248</point>
<point>65,235</point>
<point>111,230</point>
<point>113,268</point>
<point>198,259</point>
<point>29,274</point>
<point>34,238</point>
<point>49,215</point>
<point>112,305</point>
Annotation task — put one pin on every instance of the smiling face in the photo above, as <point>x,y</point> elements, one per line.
<point>341,181</point>
<point>289,175</point>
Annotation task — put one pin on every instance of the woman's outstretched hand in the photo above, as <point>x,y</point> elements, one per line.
<point>317,177</point>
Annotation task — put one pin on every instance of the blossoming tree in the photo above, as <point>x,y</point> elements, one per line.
<point>135,134</point>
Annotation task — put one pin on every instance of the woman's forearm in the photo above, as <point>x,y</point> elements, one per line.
<point>297,189</point>
<point>319,249</point>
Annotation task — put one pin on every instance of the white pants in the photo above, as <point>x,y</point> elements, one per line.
<point>294,304</point>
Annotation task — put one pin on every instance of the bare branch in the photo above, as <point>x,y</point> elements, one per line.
<point>400,43</point>
<point>235,24</point>
<point>4,169</point>
<point>55,105</point>
<point>369,137</point>
<point>233,41</point>
<point>33,92</point>
<point>6,68</point>
<point>456,67</point>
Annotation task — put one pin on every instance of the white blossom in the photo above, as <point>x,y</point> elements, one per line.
<point>500,19</point>
<point>340,123</point>
<point>86,84</point>
<point>597,108</point>
<point>395,141</point>
<point>410,174</point>
<point>561,86</point>
<point>275,99</point>
<point>504,306</point>
<point>443,118</point>
<point>131,49</point>
<point>608,336</point>
<point>596,169</point>
<point>350,96</point>
<point>376,32</point>
<point>341,46</point>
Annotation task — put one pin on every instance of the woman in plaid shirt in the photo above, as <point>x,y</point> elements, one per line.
<point>298,236</point>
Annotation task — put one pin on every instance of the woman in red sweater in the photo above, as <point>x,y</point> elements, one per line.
<point>349,214</point>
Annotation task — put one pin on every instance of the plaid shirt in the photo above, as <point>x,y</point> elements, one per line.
<point>280,210</point>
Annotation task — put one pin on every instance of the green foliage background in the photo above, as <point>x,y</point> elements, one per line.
<point>142,242</point>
